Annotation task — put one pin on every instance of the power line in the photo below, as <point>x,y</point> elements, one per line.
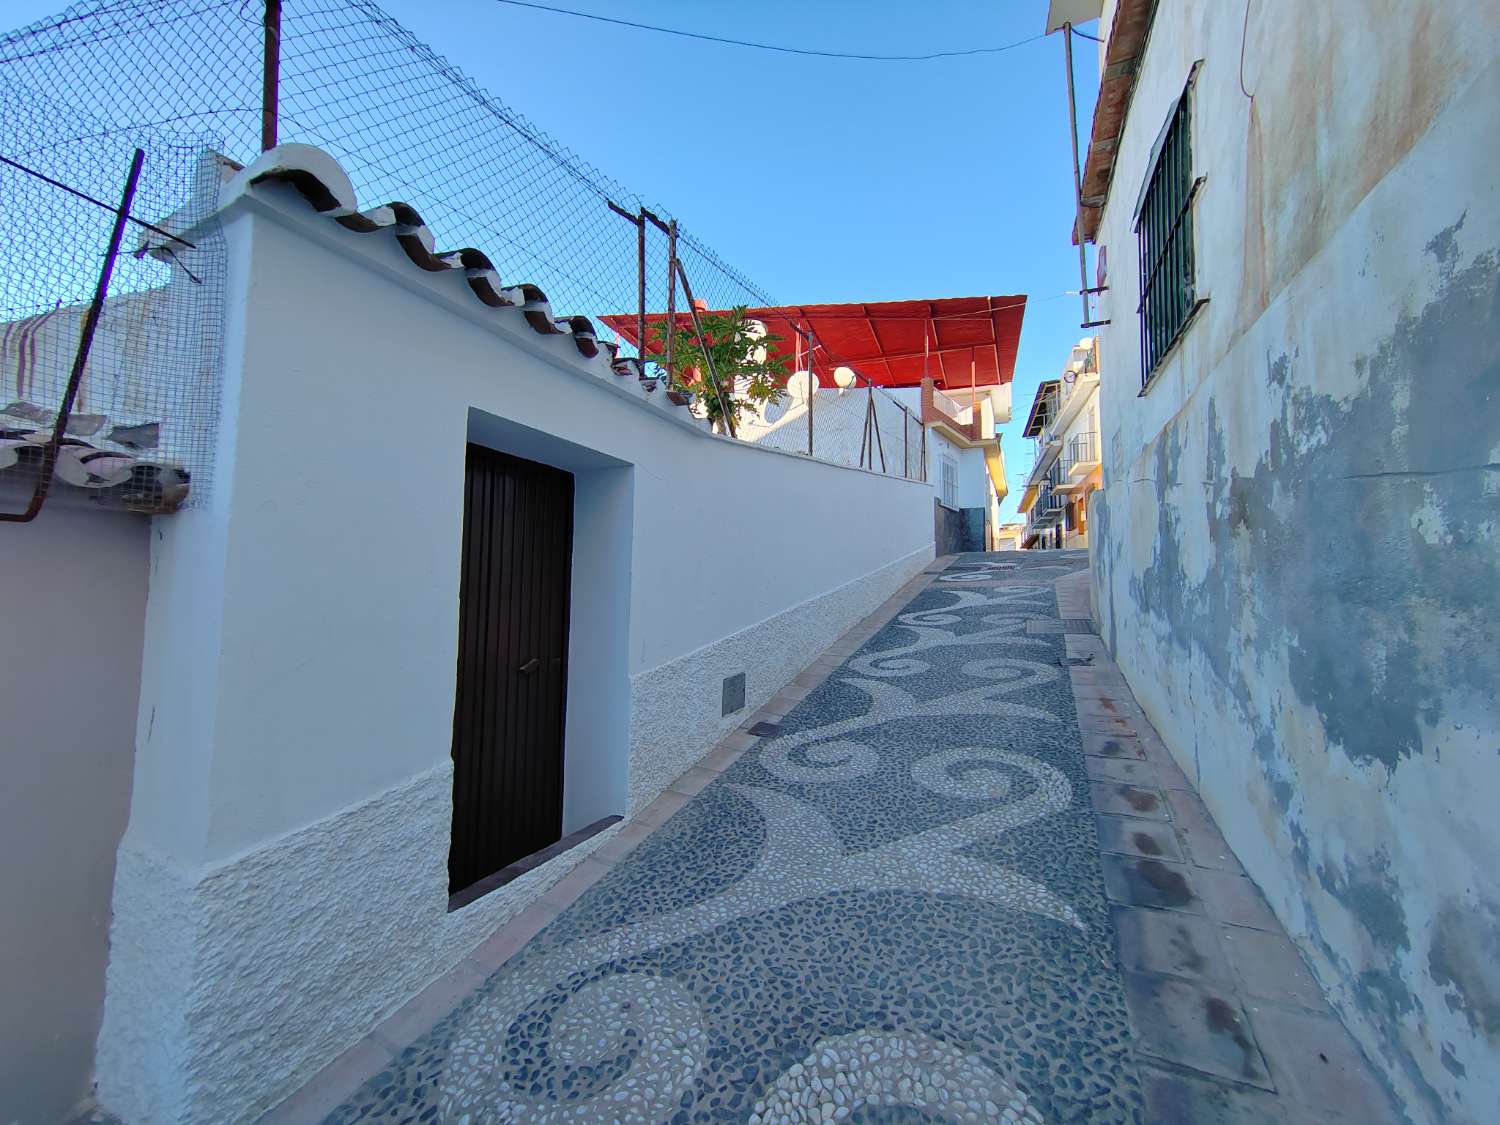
<point>772,46</point>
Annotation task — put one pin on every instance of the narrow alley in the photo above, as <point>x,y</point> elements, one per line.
<point>887,897</point>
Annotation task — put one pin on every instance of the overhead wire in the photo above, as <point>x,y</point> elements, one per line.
<point>781,48</point>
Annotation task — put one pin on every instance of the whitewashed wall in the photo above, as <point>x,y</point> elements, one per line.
<point>1295,554</point>
<point>75,607</point>
<point>283,881</point>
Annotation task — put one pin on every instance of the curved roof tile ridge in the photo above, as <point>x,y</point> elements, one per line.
<point>324,184</point>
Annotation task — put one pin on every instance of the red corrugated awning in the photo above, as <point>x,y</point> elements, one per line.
<point>891,343</point>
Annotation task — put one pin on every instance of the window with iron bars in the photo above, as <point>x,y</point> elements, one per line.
<point>1164,231</point>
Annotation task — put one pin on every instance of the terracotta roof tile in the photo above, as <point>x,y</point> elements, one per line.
<point>323,184</point>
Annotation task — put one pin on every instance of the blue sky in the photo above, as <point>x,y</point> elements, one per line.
<point>858,180</point>
<point>847,180</point>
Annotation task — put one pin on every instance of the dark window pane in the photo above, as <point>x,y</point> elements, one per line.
<point>1165,243</point>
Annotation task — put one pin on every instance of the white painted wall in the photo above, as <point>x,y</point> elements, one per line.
<point>839,427</point>
<point>1295,553</point>
<point>76,583</point>
<point>974,487</point>
<point>283,881</point>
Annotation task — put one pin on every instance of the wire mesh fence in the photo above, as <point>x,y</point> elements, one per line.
<point>857,424</point>
<point>182,79</point>
<point>139,429</point>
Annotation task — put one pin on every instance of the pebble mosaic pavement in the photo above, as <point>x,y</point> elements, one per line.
<point>892,910</point>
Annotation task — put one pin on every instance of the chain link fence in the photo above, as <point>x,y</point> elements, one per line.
<point>139,427</point>
<point>857,424</point>
<point>182,79</point>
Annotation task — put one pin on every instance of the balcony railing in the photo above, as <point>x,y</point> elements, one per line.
<point>938,407</point>
<point>1050,500</point>
<point>1082,454</point>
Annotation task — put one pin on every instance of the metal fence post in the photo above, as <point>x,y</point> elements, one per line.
<point>270,76</point>
<point>81,359</point>
<point>671,296</point>
<point>640,281</point>
<point>905,441</point>
<point>812,385</point>
<point>725,404</point>
<point>640,276</point>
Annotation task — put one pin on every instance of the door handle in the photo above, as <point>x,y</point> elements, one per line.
<point>529,667</point>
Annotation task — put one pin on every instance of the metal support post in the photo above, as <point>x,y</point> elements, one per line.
<point>270,78</point>
<point>81,359</point>
<point>1083,265</point>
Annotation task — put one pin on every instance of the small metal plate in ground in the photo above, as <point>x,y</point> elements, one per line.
<point>765,730</point>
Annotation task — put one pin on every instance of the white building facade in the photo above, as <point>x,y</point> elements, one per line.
<point>283,881</point>
<point>964,461</point>
<point>1065,470</point>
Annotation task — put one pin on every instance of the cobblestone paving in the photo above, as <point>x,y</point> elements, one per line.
<point>895,907</point>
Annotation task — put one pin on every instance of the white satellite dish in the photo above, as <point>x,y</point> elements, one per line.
<point>844,377</point>
<point>799,382</point>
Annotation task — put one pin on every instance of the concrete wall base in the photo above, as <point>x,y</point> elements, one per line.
<point>230,985</point>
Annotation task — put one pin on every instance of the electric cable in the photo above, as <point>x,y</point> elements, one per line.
<point>771,46</point>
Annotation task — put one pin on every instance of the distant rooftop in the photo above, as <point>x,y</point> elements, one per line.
<point>955,340</point>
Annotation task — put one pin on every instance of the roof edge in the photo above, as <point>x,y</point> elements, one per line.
<point>1124,47</point>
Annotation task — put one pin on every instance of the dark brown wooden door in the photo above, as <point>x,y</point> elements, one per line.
<point>512,663</point>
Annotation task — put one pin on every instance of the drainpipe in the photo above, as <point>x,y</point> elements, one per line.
<point>1083,267</point>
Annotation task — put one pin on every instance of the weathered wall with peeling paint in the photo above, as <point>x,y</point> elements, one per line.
<point>1297,550</point>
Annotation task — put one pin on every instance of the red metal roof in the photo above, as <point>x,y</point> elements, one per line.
<point>892,343</point>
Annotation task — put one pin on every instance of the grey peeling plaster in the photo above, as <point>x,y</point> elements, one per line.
<point>1418,440</point>
<point>1362,547</point>
<point>1465,956</point>
<point>1338,586</point>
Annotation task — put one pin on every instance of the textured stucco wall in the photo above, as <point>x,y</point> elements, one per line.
<point>1295,554</point>
<point>667,738</point>
<point>75,610</point>
<point>295,721</point>
<point>262,964</point>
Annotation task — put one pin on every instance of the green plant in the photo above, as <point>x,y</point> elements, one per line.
<point>743,362</point>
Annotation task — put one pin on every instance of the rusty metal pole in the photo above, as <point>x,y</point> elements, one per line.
<point>640,261</point>
<point>1083,265</point>
<point>640,278</point>
<point>812,383</point>
<point>671,296</point>
<point>270,78</point>
<point>905,441</point>
<point>973,398</point>
<point>81,358</point>
<point>713,374</point>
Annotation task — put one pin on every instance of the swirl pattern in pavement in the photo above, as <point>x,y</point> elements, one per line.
<point>892,909</point>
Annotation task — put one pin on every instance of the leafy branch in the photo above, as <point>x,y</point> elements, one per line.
<point>742,357</point>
